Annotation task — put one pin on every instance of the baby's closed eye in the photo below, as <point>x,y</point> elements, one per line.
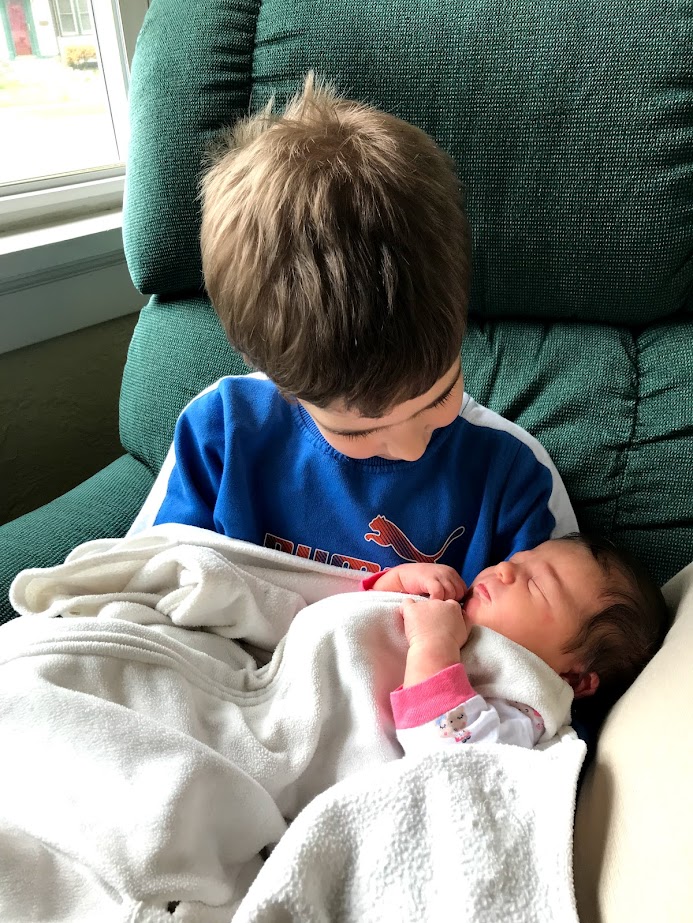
<point>535,587</point>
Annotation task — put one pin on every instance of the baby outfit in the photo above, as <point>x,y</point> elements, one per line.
<point>499,693</point>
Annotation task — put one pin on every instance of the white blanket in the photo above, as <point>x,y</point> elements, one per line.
<point>151,762</point>
<point>479,834</point>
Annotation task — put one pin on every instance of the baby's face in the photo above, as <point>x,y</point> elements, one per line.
<point>539,599</point>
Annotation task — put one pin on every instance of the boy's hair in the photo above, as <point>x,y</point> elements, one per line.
<point>620,639</point>
<point>336,251</point>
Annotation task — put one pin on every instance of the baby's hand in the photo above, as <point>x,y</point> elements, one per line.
<point>434,622</point>
<point>437,581</point>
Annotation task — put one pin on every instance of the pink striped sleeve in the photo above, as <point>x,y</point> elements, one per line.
<point>430,699</point>
<point>367,582</point>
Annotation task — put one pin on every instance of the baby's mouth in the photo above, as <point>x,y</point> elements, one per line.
<point>480,591</point>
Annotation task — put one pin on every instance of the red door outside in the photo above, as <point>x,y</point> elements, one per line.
<point>19,27</point>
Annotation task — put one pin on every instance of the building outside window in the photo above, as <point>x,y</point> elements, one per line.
<point>72,17</point>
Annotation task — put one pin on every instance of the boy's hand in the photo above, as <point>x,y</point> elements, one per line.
<point>434,622</point>
<point>437,581</point>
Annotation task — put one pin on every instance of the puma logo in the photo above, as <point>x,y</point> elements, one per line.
<point>387,533</point>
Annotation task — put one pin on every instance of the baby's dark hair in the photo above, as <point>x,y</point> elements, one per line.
<point>619,640</point>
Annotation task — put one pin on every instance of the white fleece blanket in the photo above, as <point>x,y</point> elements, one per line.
<point>482,834</point>
<point>153,748</point>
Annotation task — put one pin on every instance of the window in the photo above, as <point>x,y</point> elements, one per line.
<point>72,17</point>
<point>64,68</point>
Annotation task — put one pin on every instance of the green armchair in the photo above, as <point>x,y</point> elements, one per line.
<point>572,127</point>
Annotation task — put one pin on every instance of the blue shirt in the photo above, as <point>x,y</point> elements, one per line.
<point>249,464</point>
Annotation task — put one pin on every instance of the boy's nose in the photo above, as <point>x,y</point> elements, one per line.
<point>408,446</point>
<point>506,572</point>
<point>409,450</point>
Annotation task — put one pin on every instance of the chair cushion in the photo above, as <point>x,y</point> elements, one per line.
<point>571,124</point>
<point>613,407</point>
<point>177,349</point>
<point>191,75</point>
<point>633,833</point>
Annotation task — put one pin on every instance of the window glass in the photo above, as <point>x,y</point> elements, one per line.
<point>54,107</point>
<point>65,20</point>
<point>84,14</point>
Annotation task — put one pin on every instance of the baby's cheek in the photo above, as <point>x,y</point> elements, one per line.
<point>545,617</point>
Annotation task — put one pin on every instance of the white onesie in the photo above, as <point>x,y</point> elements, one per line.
<point>499,693</point>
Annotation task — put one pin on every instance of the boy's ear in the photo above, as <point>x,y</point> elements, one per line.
<point>583,684</point>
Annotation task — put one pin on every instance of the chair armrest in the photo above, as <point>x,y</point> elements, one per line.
<point>104,506</point>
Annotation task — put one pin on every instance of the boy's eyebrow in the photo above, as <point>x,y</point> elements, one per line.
<point>377,429</point>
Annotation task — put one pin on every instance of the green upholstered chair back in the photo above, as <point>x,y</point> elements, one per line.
<point>571,123</point>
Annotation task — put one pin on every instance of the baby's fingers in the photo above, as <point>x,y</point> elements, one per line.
<point>436,589</point>
<point>456,587</point>
<point>446,588</point>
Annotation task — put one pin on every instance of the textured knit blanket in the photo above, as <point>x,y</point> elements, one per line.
<point>197,696</point>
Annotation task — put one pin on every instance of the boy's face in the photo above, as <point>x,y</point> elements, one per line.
<point>403,433</point>
<point>539,599</point>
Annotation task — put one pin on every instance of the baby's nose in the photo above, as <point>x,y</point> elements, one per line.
<point>506,572</point>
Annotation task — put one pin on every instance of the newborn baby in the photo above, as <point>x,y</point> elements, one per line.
<point>574,611</point>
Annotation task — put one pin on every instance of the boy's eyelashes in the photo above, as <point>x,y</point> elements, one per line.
<point>442,400</point>
<point>369,432</point>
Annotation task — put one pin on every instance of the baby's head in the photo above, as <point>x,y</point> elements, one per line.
<point>337,255</point>
<point>587,609</point>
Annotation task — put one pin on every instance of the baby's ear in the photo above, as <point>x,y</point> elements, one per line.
<point>583,684</point>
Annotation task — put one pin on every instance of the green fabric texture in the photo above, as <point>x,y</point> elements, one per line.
<point>101,507</point>
<point>177,349</point>
<point>571,122</point>
<point>190,76</point>
<point>613,408</point>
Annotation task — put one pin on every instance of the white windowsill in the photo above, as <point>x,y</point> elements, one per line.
<point>26,256</point>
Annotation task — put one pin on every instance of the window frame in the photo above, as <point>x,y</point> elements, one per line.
<point>61,241</point>
<point>45,201</point>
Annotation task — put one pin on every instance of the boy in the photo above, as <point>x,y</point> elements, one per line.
<point>579,614</point>
<point>337,255</point>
